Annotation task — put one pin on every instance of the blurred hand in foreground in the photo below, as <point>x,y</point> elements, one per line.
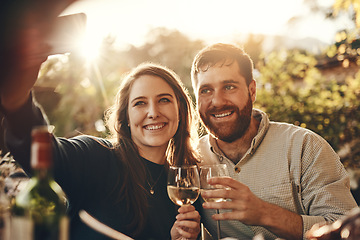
<point>346,228</point>
<point>25,26</point>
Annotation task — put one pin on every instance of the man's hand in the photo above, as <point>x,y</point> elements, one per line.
<point>251,210</point>
<point>187,224</point>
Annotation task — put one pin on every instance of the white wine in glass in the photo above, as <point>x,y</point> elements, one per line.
<point>183,184</point>
<point>210,171</point>
<point>207,172</point>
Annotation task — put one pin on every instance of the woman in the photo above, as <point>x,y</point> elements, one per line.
<point>121,182</point>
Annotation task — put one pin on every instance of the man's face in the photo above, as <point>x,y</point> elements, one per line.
<point>224,101</point>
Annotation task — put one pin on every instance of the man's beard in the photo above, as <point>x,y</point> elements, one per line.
<point>231,131</point>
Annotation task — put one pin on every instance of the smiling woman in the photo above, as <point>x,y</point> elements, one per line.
<point>153,113</point>
<point>125,185</point>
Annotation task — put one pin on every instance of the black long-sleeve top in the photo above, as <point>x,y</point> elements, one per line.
<point>86,168</point>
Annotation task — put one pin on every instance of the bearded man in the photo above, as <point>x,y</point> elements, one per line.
<point>283,178</point>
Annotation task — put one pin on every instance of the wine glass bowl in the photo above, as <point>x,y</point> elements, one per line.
<point>210,171</point>
<point>183,184</point>
<point>207,172</point>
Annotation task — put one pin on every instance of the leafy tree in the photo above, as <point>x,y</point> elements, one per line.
<point>292,89</point>
<point>76,92</point>
<point>352,6</point>
<point>168,47</point>
<point>253,47</point>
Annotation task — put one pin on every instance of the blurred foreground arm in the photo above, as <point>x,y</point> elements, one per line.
<point>24,27</point>
<point>23,48</point>
<point>347,227</point>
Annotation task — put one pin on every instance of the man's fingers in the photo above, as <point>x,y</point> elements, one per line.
<point>226,181</point>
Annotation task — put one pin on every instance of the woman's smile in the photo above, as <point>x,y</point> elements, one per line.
<point>157,126</point>
<point>153,112</point>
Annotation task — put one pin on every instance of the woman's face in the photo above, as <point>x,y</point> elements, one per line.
<point>153,112</point>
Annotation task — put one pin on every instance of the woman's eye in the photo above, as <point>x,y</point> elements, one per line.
<point>139,103</point>
<point>165,100</point>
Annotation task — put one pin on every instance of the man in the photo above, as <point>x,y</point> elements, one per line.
<point>283,178</point>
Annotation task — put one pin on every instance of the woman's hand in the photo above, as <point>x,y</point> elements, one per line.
<point>187,224</point>
<point>25,49</point>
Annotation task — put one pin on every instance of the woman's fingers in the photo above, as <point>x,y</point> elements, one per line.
<point>188,222</point>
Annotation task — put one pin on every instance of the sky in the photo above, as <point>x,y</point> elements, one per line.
<point>210,20</point>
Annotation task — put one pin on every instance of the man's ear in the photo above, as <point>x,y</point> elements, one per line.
<point>252,90</point>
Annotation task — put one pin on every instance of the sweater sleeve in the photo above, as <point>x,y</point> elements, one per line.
<point>77,162</point>
<point>326,192</point>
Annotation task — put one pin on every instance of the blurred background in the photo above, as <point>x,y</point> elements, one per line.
<point>306,56</point>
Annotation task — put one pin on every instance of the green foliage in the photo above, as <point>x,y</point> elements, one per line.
<point>75,92</point>
<point>253,47</point>
<point>291,89</point>
<point>80,102</point>
<point>348,5</point>
<point>168,47</point>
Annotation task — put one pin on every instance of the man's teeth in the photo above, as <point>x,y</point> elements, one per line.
<point>154,127</point>
<point>222,114</point>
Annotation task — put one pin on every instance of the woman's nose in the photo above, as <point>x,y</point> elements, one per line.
<point>153,111</point>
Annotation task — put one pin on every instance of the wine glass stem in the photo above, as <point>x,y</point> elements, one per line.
<point>218,226</point>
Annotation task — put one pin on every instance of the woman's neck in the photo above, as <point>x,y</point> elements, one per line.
<point>153,154</point>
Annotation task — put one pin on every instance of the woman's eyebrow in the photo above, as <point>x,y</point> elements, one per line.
<point>137,98</point>
<point>166,95</point>
<point>159,95</point>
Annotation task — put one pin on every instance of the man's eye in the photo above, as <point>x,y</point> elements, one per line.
<point>230,87</point>
<point>204,91</point>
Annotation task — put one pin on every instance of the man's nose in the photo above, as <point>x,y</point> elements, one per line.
<point>218,99</point>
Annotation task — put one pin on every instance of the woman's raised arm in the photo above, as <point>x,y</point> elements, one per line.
<point>24,48</point>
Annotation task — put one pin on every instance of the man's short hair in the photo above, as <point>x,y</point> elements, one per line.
<point>226,54</point>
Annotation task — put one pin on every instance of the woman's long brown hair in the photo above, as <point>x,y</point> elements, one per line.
<point>181,149</point>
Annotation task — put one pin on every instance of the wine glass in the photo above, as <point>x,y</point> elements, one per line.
<point>183,184</point>
<point>207,172</point>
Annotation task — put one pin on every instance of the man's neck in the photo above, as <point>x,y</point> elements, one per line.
<point>236,150</point>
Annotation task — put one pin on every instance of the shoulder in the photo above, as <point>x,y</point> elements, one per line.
<point>299,137</point>
<point>207,153</point>
<point>87,140</point>
<point>204,143</point>
<point>293,131</point>
<point>91,140</point>
<point>204,139</point>
<point>84,144</point>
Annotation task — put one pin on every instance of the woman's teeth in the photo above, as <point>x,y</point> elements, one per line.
<point>154,127</point>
